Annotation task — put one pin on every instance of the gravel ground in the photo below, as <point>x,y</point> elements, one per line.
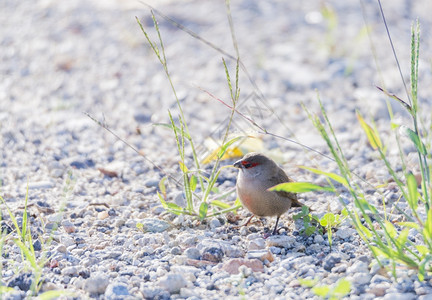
<point>60,59</point>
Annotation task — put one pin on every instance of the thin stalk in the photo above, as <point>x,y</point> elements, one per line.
<point>164,63</point>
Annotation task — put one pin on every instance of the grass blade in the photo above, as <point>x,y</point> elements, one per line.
<point>333,176</point>
<point>371,133</point>
<point>413,194</point>
<point>299,187</point>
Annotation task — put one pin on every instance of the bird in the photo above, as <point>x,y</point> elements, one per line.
<point>258,173</point>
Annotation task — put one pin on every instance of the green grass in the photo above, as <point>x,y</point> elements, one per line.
<point>31,261</point>
<point>203,199</point>
<point>386,239</point>
<point>332,292</point>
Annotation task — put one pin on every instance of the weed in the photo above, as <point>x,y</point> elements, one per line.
<point>195,184</point>
<point>391,241</point>
<point>312,223</point>
<point>32,261</point>
<point>332,292</point>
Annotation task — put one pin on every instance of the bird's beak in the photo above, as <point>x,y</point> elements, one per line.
<point>237,164</point>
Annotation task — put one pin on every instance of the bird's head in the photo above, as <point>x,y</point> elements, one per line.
<point>254,163</point>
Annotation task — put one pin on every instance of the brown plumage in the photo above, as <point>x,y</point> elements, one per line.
<point>258,173</point>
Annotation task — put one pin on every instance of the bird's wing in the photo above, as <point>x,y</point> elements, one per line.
<point>281,177</point>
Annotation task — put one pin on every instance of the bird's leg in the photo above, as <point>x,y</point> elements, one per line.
<point>248,221</point>
<point>275,228</point>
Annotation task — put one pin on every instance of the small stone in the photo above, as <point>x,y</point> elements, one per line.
<point>214,223</point>
<point>180,199</point>
<point>331,260</point>
<point>294,283</point>
<point>55,218</point>
<point>274,285</point>
<point>40,185</point>
<point>361,278</point>
<point>232,266</point>
<point>281,241</point>
<point>339,269</point>
<point>191,294</point>
<point>244,231</point>
<point>68,226</point>
<point>232,251</point>
<point>153,292</point>
<point>96,284</point>
<point>102,215</point>
<point>199,263</point>
<point>379,278</point>
<point>154,225</point>
<point>257,244</point>
<point>152,182</point>
<point>275,250</point>
<point>67,241</point>
<point>142,117</point>
<point>254,236</point>
<point>212,254</point>
<point>172,282</point>
<point>115,291</point>
<point>70,271</point>
<point>176,250</point>
<point>188,272</point>
<point>262,255</point>
<point>379,289</point>
<point>358,267</point>
<point>192,253</point>
<point>56,173</point>
<point>22,281</point>
<point>37,246</point>
<point>399,296</point>
<point>318,239</point>
<point>49,286</point>
<point>344,233</point>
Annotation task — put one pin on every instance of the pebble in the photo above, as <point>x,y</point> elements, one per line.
<point>22,281</point>
<point>399,296</point>
<point>344,233</point>
<point>70,271</point>
<point>232,266</point>
<point>102,215</point>
<point>257,244</point>
<point>361,278</point>
<point>214,223</point>
<point>68,226</point>
<point>358,267</point>
<point>282,241</point>
<point>331,260</point>
<point>379,289</point>
<point>154,225</point>
<point>172,282</point>
<point>263,255</point>
<point>212,254</point>
<point>318,239</point>
<point>40,185</point>
<point>152,182</point>
<point>176,250</point>
<point>192,253</point>
<point>96,284</point>
<point>67,240</point>
<point>116,291</point>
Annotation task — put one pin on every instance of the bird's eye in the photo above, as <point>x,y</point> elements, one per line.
<point>247,164</point>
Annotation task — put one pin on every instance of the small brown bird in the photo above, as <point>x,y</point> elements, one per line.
<point>257,174</point>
